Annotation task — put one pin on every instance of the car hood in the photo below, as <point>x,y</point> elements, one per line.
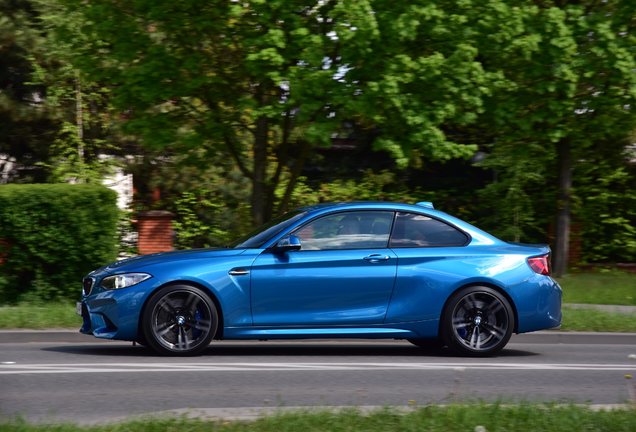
<point>162,257</point>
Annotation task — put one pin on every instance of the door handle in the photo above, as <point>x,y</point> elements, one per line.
<point>376,258</point>
<point>238,272</point>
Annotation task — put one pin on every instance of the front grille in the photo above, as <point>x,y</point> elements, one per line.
<point>88,285</point>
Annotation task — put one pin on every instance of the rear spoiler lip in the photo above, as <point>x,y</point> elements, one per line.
<point>545,248</point>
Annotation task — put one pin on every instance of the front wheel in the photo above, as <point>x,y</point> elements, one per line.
<point>179,320</point>
<point>477,321</point>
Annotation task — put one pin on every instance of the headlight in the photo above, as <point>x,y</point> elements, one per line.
<point>123,280</point>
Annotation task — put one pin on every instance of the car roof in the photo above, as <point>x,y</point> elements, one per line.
<point>360,205</point>
<point>353,204</point>
<point>479,236</point>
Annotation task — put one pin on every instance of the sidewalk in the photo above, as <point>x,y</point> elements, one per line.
<point>605,308</point>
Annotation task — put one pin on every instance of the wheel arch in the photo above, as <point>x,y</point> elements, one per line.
<point>205,289</point>
<point>491,285</point>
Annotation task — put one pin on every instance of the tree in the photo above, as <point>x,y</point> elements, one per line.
<point>569,69</point>
<point>538,85</point>
<point>54,121</point>
<point>25,126</point>
<point>268,82</point>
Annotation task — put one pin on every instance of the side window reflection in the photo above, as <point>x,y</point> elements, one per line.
<point>348,230</point>
<point>416,230</point>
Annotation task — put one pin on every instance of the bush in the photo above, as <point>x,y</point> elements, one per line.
<point>51,236</point>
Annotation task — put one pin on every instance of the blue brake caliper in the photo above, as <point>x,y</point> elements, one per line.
<point>196,332</point>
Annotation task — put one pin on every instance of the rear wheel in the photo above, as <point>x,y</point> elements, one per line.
<point>477,321</point>
<point>179,320</point>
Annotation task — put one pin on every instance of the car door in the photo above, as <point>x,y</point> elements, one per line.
<point>430,256</point>
<point>343,274</point>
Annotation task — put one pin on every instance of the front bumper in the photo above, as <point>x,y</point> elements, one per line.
<point>114,314</point>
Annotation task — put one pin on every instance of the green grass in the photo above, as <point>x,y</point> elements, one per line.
<point>597,321</point>
<point>52,315</point>
<point>610,287</point>
<point>491,418</point>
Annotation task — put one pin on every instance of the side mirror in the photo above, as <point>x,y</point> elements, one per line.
<point>288,243</point>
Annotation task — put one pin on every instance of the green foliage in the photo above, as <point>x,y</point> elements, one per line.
<point>267,83</point>
<point>25,129</point>
<point>567,81</point>
<point>382,186</point>
<point>54,121</point>
<point>606,211</point>
<point>203,220</point>
<point>258,88</point>
<point>517,204</point>
<point>52,236</point>
<point>208,197</point>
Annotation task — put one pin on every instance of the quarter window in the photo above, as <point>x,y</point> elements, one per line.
<point>347,230</point>
<point>416,230</point>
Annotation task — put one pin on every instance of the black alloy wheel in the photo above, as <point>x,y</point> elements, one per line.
<point>477,321</point>
<point>179,320</point>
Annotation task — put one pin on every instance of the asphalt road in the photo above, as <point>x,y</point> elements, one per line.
<point>88,381</point>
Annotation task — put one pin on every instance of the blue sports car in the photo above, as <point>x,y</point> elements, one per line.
<point>345,270</point>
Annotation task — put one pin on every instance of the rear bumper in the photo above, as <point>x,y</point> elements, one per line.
<point>544,312</point>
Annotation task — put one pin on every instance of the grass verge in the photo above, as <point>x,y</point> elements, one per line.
<point>597,321</point>
<point>609,287</point>
<point>51,315</point>
<point>478,417</point>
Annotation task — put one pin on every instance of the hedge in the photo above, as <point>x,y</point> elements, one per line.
<point>51,235</point>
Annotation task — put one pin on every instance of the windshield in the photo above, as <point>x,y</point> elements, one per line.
<point>261,235</point>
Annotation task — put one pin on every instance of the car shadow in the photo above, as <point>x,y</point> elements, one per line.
<point>263,349</point>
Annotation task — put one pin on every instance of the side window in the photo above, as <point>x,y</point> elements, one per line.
<point>415,230</point>
<point>347,230</point>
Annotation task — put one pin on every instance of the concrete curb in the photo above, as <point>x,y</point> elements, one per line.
<point>604,308</point>
<point>546,336</point>
<point>255,413</point>
<point>589,338</point>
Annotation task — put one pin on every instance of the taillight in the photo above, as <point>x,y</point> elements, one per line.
<point>540,264</point>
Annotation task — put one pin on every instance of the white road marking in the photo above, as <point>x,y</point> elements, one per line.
<point>61,368</point>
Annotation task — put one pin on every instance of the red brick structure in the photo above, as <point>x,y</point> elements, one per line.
<point>4,250</point>
<point>155,232</point>
<point>576,243</point>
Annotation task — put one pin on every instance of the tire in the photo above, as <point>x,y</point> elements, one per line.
<point>179,320</point>
<point>477,322</point>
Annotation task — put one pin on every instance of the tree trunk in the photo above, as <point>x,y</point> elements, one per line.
<point>562,228</point>
<point>79,123</point>
<point>259,173</point>
<point>294,174</point>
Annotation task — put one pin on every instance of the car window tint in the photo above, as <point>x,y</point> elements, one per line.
<point>416,230</point>
<point>347,230</point>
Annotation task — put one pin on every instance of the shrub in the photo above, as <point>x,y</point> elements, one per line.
<point>51,236</point>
